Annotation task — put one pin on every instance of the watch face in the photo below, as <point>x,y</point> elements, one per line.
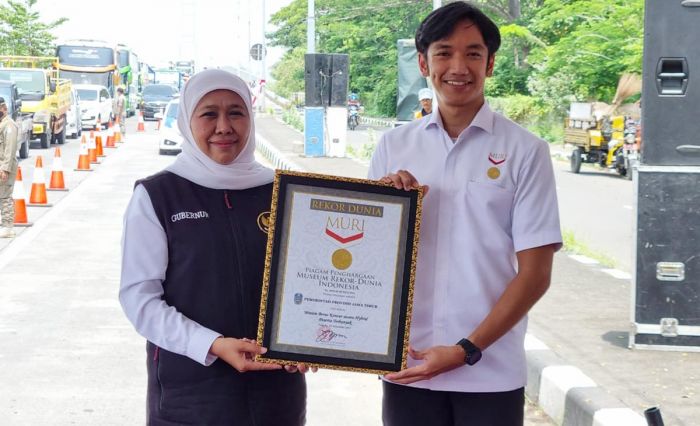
<point>473,357</point>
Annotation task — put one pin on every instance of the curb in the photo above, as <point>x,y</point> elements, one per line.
<point>273,155</point>
<point>567,395</point>
<point>377,121</point>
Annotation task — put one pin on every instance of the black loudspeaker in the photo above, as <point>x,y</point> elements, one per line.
<point>671,83</point>
<point>326,79</point>
<point>340,69</point>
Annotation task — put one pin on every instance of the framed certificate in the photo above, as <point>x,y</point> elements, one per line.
<point>339,271</point>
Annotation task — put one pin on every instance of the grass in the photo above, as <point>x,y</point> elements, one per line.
<point>576,246</point>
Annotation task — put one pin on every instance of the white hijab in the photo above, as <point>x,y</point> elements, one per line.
<point>193,164</point>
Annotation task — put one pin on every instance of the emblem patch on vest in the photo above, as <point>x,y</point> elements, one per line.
<point>264,221</point>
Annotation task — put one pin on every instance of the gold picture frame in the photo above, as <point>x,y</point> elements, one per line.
<point>339,273</point>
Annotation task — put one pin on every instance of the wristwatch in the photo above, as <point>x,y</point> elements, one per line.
<point>472,354</point>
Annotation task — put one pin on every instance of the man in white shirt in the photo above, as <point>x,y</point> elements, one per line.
<point>489,231</point>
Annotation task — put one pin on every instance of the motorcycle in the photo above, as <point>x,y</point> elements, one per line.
<point>353,116</point>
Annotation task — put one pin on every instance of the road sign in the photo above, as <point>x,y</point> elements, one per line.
<point>258,52</point>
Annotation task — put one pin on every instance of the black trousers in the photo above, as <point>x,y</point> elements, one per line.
<point>407,406</point>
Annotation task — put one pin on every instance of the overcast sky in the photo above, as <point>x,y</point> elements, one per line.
<point>214,32</point>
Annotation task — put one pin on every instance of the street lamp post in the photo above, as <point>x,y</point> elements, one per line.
<point>311,28</point>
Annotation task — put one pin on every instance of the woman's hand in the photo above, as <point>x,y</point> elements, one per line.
<point>403,179</point>
<point>239,354</point>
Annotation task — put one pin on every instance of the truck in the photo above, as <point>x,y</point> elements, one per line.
<point>608,135</point>
<point>9,92</point>
<point>45,96</point>
<point>168,76</point>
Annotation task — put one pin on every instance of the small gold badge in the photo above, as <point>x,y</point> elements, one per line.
<point>342,259</point>
<point>493,173</point>
<point>264,221</point>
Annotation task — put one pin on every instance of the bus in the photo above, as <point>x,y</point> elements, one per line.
<point>130,76</point>
<point>89,62</point>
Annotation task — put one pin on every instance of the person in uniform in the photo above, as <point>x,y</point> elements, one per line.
<point>425,97</point>
<point>489,230</point>
<point>119,109</point>
<point>193,252</point>
<point>8,170</point>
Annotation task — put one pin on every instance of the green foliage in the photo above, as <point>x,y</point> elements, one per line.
<point>367,31</point>
<point>291,116</point>
<point>553,52</point>
<point>21,31</point>
<point>590,44</point>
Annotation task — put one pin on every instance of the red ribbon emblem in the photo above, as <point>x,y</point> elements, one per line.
<point>497,159</point>
<point>345,240</point>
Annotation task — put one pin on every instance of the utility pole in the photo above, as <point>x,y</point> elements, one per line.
<point>311,27</point>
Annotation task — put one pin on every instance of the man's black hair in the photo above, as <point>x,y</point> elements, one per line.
<point>442,22</point>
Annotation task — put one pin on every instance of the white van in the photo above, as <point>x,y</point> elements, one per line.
<point>95,103</point>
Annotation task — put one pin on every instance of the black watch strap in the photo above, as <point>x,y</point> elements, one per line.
<point>472,354</point>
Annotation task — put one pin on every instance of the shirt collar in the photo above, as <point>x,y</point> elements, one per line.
<point>483,119</point>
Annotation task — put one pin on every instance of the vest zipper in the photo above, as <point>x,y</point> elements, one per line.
<point>237,247</point>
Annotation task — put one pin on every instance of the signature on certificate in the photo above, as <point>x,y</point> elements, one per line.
<point>326,334</point>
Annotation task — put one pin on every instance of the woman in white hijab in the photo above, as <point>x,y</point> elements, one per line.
<point>193,252</point>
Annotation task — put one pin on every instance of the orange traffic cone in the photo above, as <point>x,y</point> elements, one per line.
<point>83,157</point>
<point>98,125</point>
<point>20,201</point>
<point>117,132</point>
<point>37,198</point>
<point>98,144</point>
<point>57,183</point>
<point>92,149</point>
<point>110,138</point>
<point>141,127</point>
<point>158,124</point>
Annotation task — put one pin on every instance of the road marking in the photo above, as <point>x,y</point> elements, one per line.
<point>617,416</point>
<point>532,343</point>
<point>616,273</point>
<point>583,259</point>
<point>628,207</point>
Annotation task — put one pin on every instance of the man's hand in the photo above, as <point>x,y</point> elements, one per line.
<point>438,359</point>
<point>302,368</point>
<point>403,179</point>
<point>4,175</point>
<point>239,353</point>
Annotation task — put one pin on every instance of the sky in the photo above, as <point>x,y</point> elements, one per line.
<point>213,32</point>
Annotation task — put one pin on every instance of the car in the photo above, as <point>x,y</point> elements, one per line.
<point>74,125</point>
<point>10,93</point>
<point>95,103</point>
<point>169,134</point>
<point>155,97</point>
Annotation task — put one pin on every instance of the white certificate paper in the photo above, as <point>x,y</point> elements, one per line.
<point>338,280</point>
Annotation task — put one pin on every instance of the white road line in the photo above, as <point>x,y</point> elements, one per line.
<point>617,416</point>
<point>628,207</point>
<point>616,273</point>
<point>583,259</point>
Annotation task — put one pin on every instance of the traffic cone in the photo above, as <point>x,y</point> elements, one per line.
<point>20,201</point>
<point>57,183</point>
<point>83,157</point>
<point>98,124</point>
<point>158,124</point>
<point>141,125</point>
<point>37,198</point>
<point>110,138</point>
<point>92,149</point>
<point>98,144</point>
<point>117,132</point>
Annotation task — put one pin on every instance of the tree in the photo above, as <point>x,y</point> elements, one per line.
<point>21,31</point>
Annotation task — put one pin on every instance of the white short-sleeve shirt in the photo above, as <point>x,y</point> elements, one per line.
<point>492,194</point>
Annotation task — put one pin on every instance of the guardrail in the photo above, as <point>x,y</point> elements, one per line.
<point>273,155</point>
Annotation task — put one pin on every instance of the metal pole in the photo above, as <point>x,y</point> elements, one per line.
<point>311,28</point>
<point>264,58</point>
<point>437,4</point>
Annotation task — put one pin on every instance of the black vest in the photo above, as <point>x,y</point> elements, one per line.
<point>216,256</point>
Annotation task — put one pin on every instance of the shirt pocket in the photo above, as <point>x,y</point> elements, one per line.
<point>490,203</point>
